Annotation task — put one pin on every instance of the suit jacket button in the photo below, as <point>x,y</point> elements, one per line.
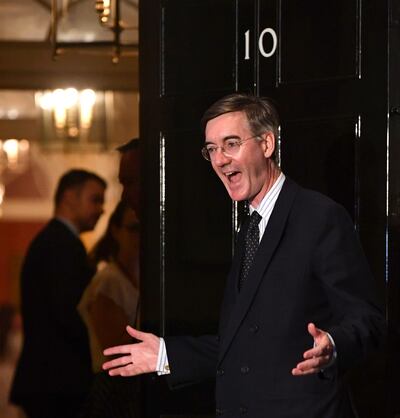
<point>220,372</point>
<point>243,410</point>
<point>254,328</point>
<point>244,370</point>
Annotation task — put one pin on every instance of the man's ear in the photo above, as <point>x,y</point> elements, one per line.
<point>268,144</point>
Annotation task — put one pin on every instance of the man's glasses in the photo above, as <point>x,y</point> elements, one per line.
<point>230,148</point>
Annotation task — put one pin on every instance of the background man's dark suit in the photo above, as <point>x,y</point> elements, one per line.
<point>309,268</point>
<point>55,363</point>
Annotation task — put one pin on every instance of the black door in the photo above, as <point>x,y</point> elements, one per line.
<point>326,65</point>
<point>393,293</point>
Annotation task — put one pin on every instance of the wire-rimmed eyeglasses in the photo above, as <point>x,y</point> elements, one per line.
<point>230,148</point>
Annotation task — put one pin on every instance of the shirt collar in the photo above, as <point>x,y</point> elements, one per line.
<point>270,198</point>
<point>69,225</point>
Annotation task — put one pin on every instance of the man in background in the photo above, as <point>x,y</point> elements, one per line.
<point>53,375</point>
<point>129,173</point>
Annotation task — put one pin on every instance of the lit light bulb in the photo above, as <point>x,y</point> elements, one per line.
<point>60,112</point>
<point>70,97</point>
<point>45,100</point>
<point>87,101</point>
<point>11,148</point>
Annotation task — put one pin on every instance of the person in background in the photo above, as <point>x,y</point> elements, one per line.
<point>53,374</point>
<point>129,173</point>
<point>300,306</point>
<point>109,303</point>
<point>112,297</point>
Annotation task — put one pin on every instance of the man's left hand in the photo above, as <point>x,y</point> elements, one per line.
<point>317,357</point>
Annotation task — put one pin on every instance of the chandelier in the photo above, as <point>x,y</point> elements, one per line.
<point>109,17</point>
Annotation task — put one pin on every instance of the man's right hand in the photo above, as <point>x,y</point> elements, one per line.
<point>136,358</point>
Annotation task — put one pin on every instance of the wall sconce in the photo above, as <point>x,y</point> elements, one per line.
<point>109,17</point>
<point>14,158</point>
<point>70,110</point>
<point>16,152</point>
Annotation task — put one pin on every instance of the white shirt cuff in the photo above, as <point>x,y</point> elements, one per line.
<point>162,360</point>
<point>334,354</point>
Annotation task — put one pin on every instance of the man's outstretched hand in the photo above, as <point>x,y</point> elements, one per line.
<point>317,357</point>
<point>136,358</point>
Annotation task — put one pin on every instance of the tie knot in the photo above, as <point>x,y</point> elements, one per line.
<point>255,219</point>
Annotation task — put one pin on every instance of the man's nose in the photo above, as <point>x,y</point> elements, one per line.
<point>220,158</point>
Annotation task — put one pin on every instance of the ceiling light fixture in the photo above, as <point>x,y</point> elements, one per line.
<point>109,17</point>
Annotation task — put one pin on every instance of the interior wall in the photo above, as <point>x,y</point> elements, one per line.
<point>28,200</point>
<point>15,237</point>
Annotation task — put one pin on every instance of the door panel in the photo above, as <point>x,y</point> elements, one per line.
<point>325,158</point>
<point>197,49</point>
<point>196,255</point>
<point>319,40</point>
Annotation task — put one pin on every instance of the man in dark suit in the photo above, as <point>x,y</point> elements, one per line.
<point>299,307</point>
<point>54,370</point>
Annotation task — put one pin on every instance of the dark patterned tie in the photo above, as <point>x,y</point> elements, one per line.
<point>250,246</point>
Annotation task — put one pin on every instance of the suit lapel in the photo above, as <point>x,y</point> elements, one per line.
<point>268,244</point>
<point>231,288</point>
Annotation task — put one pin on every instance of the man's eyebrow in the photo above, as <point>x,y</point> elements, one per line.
<point>224,139</point>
